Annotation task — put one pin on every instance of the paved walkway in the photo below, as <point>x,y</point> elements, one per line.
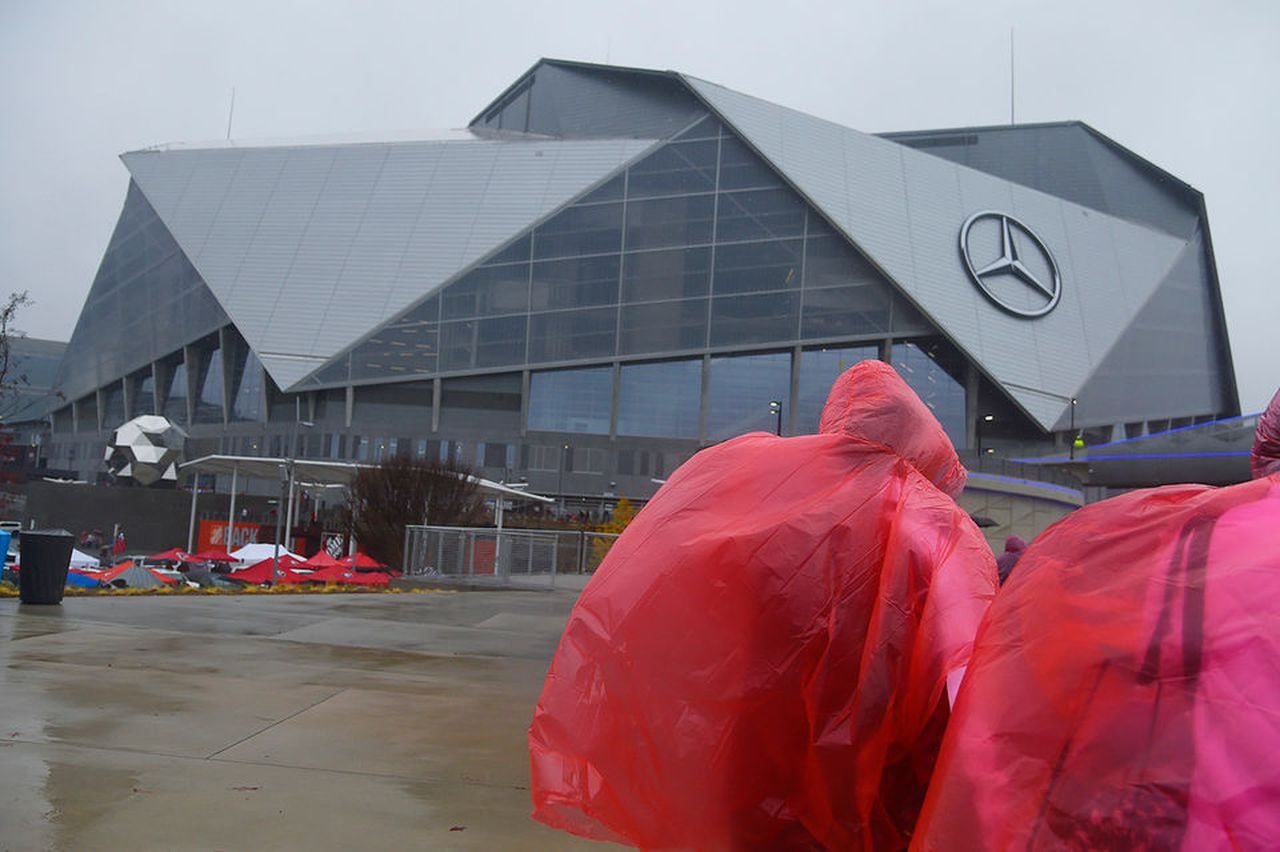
<point>274,722</point>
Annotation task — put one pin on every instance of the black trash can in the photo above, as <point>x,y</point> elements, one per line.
<point>42,573</point>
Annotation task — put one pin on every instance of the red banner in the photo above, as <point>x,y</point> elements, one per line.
<point>214,534</point>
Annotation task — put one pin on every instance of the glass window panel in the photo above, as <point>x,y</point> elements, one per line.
<point>402,349</point>
<point>248,402</point>
<point>113,413</point>
<point>742,169</point>
<point>664,326</point>
<point>741,389</point>
<point>567,335</point>
<point>517,252</point>
<point>458,345</point>
<point>667,222</point>
<point>175,403</point>
<point>488,291</point>
<point>671,274</point>
<point>757,267</point>
<point>829,261</point>
<point>575,283</point>
<point>676,169</point>
<point>500,341</point>
<point>708,128</point>
<point>759,214</point>
<point>943,394</point>
<point>855,309</point>
<point>571,400</point>
<point>819,369</point>
<point>581,229</point>
<point>753,319</point>
<point>660,400</point>
<point>610,190</point>
<point>338,371</point>
<point>145,401</point>
<point>209,402</point>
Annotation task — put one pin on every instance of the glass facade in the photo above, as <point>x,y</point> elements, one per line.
<point>249,403</point>
<point>943,394</point>
<point>660,400</point>
<point>571,400</point>
<point>697,244</point>
<point>819,369</point>
<point>209,400</point>
<point>741,388</point>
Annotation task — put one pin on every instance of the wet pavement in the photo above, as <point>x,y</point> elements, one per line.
<point>274,722</point>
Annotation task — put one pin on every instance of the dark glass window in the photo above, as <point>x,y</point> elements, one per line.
<point>943,394</point>
<point>113,414</point>
<point>568,335</point>
<point>819,369</point>
<point>338,371</point>
<point>829,260</point>
<point>664,326</point>
<point>209,400</point>
<point>610,190</point>
<point>759,214</point>
<point>398,349</point>
<point>741,389</point>
<point>680,168</point>
<point>145,401</point>
<point>248,401</point>
<point>516,252</point>
<point>757,267</point>
<point>500,341</point>
<point>660,400</point>
<point>760,318</point>
<point>175,402</point>
<point>575,283</point>
<point>578,230</point>
<point>855,309</point>
<point>668,222</point>
<point>571,400</point>
<point>708,128</point>
<point>488,291</point>
<point>673,274</point>
<point>741,169</point>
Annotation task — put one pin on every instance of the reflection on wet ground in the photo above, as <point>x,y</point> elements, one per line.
<point>344,721</point>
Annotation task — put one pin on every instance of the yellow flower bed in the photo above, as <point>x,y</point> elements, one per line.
<point>8,590</point>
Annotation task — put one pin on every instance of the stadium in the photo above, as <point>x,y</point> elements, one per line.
<point>611,268</point>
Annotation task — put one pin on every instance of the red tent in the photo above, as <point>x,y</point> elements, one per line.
<point>171,555</point>
<point>211,555</point>
<point>362,561</point>
<point>322,560</point>
<point>335,573</point>
<point>116,570</point>
<point>261,572</point>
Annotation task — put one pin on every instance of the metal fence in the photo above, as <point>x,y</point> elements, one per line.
<point>502,557</point>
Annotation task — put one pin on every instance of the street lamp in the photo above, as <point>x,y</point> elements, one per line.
<point>986,418</point>
<point>1073,428</point>
<point>775,408</point>
<point>564,454</point>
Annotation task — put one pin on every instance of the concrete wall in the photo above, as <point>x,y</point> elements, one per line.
<point>1018,506</point>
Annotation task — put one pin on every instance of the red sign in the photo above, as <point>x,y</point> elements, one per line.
<point>214,534</point>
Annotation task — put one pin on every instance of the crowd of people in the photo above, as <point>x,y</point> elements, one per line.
<point>805,643</point>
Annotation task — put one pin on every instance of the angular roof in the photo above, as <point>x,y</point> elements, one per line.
<point>904,208</point>
<point>307,248</point>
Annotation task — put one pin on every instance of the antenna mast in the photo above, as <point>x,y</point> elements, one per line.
<point>1011,90</point>
<point>231,113</point>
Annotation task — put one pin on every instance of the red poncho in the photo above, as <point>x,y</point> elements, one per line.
<point>1125,688</point>
<point>761,660</point>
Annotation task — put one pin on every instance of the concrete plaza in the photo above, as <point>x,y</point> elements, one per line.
<point>273,721</point>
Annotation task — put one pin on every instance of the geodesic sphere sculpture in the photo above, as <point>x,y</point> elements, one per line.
<point>147,449</point>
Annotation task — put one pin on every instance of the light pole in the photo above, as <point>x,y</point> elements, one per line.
<point>986,418</point>
<point>1073,429</point>
<point>564,454</point>
<point>775,408</point>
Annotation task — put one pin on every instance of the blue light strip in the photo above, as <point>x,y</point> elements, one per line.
<point>1126,456</point>
<point>1030,482</point>
<point>1175,429</point>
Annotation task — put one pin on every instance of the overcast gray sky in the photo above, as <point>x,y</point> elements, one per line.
<point>1192,86</point>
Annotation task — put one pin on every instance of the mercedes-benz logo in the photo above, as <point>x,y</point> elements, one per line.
<point>1015,271</point>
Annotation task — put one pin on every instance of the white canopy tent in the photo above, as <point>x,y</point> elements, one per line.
<point>314,473</point>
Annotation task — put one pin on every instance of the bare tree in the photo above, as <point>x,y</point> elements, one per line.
<point>11,376</point>
<point>404,490</point>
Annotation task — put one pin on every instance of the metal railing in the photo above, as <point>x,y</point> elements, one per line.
<point>502,557</point>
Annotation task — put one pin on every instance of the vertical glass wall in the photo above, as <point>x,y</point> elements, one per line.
<point>571,400</point>
<point>209,400</point>
<point>113,414</point>
<point>740,391</point>
<point>943,394</point>
<point>660,400</point>
<point>248,404</point>
<point>819,369</point>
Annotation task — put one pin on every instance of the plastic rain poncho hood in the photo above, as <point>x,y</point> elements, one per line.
<point>1123,692</point>
<point>761,660</point>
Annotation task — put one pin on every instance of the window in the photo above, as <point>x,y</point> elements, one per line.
<point>819,369</point>
<point>740,392</point>
<point>571,400</point>
<point>943,394</point>
<point>660,400</point>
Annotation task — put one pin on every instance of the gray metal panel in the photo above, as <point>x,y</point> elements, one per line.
<point>904,209</point>
<point>308,248</point>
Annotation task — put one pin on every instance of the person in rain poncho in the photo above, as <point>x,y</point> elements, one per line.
<point>762,659</point>
<point>1014,545</point>
<point>1123,692</point>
